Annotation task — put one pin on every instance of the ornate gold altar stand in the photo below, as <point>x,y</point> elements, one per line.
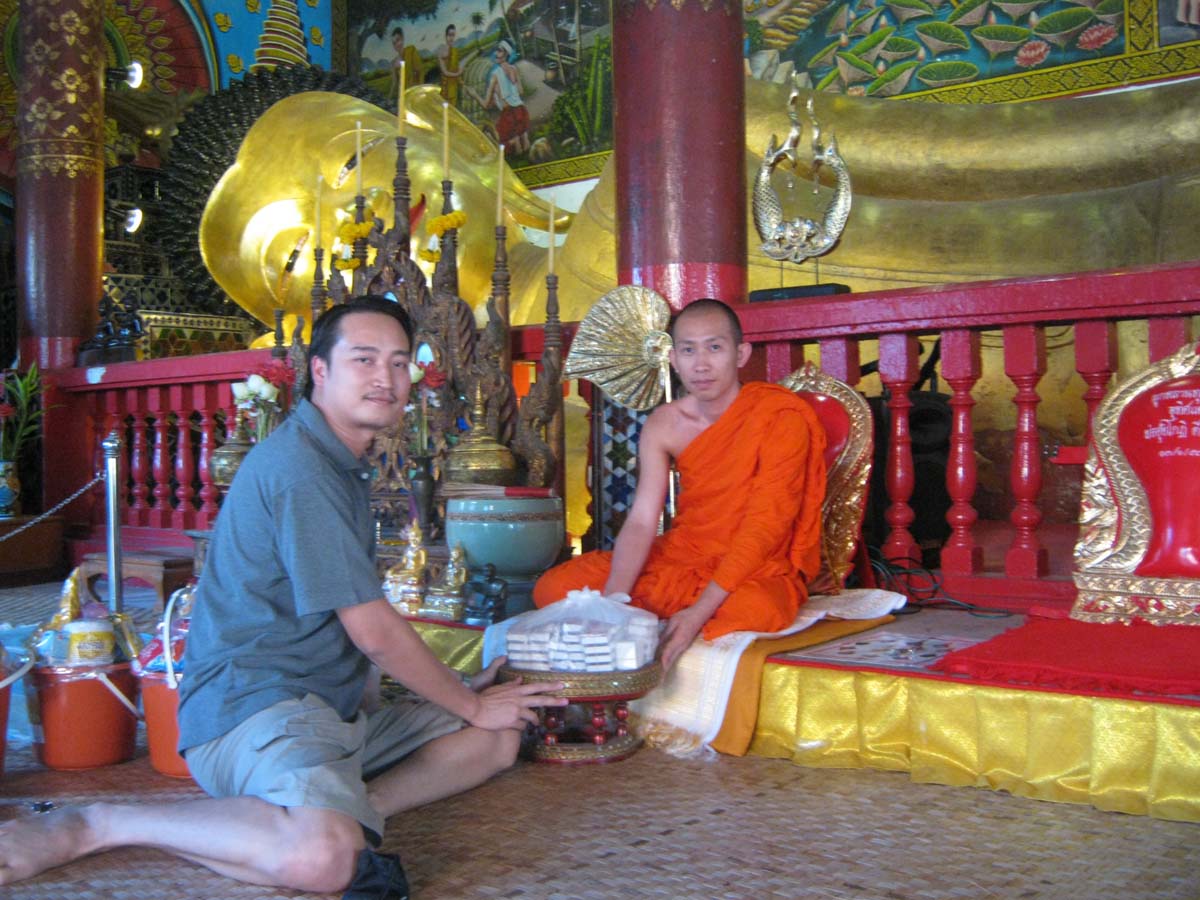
<point>592,727</point>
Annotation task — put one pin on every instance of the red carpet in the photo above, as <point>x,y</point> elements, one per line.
<point>1084,656</point>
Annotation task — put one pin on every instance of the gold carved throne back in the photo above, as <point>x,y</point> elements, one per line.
<point>1138,553</point>
<point>848,452</point>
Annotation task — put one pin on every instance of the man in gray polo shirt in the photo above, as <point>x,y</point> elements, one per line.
<point>289,614</point>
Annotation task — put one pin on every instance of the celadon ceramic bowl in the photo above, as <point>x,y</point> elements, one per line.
<point>520,536</point>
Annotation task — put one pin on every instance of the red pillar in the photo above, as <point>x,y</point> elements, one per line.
<point>60,177</point>
<point>680,142</point>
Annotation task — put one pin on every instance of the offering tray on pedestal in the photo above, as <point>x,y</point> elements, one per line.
<point>593,727</point>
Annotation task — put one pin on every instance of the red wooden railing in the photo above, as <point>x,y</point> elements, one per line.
<point>1019,309</point>
<point>171,414</point>
<point>178,405</point>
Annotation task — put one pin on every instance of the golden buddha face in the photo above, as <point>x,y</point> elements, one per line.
<point>262,214</point>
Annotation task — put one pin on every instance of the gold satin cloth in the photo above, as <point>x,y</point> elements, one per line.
<point>459,647</point>
<point>1116,754</point>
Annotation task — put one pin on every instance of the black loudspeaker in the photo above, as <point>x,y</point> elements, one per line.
<point>791,293</point>
<point>929,423</point>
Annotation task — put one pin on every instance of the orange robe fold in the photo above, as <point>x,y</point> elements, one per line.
<point>748,517</point>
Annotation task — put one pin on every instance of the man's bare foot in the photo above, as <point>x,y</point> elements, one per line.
<point>32,844</point>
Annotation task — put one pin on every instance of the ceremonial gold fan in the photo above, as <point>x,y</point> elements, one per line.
<point>621,347</point>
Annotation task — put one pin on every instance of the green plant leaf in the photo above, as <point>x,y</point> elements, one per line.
<point>964,9</point>
<point>940,74</point>
<point>899,72</point>
<point>943,34</point>
<point>1063,21</point>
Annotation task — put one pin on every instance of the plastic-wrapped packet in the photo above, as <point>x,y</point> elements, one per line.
<point>586,632</point>
<point>153,659</point>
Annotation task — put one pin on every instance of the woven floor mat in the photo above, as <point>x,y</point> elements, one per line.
<point>655,826</point>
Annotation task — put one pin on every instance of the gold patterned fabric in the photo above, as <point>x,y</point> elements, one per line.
<point>1116,754</point>
<point>459,647</point>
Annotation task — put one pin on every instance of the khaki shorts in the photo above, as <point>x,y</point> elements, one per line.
<point>299,753</point>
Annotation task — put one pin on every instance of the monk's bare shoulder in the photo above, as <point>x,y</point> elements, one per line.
<point>673,426</point>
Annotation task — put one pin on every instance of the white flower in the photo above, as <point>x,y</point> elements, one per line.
<point>415,373</point>
<point>255,384</point>
<point>268,392</point>
<point>241,393</point>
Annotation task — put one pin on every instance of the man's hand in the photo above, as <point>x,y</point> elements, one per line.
<point>485,679</point>
<point>512,704</point>
<point>681,630</point>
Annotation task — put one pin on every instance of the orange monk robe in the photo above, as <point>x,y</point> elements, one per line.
<point>748,517</point>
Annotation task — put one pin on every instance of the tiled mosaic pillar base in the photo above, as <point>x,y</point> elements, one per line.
<point>611,502</point>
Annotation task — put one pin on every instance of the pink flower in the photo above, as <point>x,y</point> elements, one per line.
<point>1096,37</point>
<point>7,410</point>
<point>1033,53</point>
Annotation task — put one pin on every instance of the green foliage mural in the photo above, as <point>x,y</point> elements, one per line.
<point>909,46</point>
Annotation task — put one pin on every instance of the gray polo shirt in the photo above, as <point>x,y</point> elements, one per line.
<point>294,542</point>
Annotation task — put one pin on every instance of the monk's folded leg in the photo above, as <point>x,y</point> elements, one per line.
<point>761,604</point>
<point>589,570</point>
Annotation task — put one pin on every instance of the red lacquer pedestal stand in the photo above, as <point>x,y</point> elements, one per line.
<point>593,727</point>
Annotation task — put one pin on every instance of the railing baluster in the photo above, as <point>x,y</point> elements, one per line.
<point>1167,334</point>
<point>138,464</point>
<point>1095,361</point>
<point>160,516</point>
<point>184,514</point>
<point>779,360</point>
<point>898,371</point>
<point>840,359</point>
<point>961,368</point>
<point>1025,364</point>
<point>203,397</point>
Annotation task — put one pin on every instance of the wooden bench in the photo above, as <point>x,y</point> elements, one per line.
<point>163,570</point>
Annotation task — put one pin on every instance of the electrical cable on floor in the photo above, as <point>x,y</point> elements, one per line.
<point>923,587</point>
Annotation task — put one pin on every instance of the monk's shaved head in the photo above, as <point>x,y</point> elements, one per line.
<point>709,305</point>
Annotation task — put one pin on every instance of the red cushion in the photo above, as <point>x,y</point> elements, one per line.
<point>835,419</point>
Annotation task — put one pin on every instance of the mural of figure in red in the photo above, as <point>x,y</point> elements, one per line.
<point>504,93</point>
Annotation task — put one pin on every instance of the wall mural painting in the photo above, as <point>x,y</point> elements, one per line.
<point>533,74</point>
<point>976,51</point>
<point>255,33</point>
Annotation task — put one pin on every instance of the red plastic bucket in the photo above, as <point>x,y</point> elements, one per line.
<point>78,722</point>
<point>161,706</point>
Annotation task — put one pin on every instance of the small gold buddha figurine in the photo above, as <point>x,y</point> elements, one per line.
<point>404,583</point>
<point>446,598</point>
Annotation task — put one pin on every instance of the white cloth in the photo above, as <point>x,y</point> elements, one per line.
<point>695,694</point>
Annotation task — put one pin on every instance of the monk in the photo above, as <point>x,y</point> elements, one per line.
<point>746,533</point>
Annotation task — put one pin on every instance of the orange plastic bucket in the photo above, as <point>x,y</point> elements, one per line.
<point>78,722</point>
<point>161,705</point>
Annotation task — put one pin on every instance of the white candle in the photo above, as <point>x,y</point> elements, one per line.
<point>358,158</point>
<point>317,229</point>
<point>400,104</point>
<point>445,141</point>
<point>550,264</point>
<point>500,189</point>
